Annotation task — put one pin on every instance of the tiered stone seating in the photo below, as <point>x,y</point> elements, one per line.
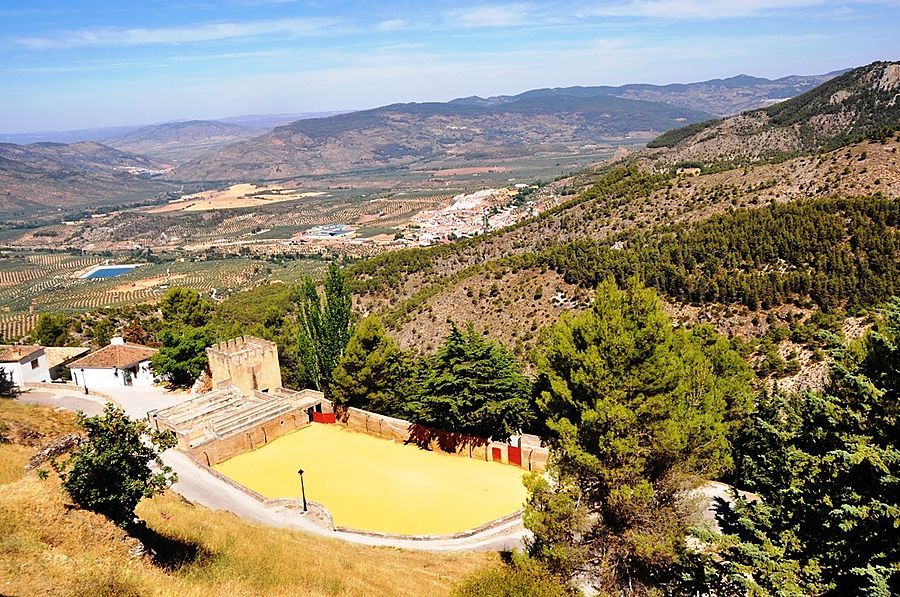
<point>247,418</point>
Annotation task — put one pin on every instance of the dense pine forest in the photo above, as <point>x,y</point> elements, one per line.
<point>835,252</point>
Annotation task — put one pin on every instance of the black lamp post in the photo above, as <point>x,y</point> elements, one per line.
<point>84,381</point>
<point>302,489</point>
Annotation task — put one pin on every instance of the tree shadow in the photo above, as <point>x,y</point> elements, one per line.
<point>445,441</point>
<point>167,552</point>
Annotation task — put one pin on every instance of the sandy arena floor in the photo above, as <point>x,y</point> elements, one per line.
<point>378,485</point>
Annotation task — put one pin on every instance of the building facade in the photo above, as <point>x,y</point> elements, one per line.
<point>26,363</point>
<point>119,364</point>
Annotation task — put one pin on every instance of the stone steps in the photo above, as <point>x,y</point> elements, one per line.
<point>249,417</point>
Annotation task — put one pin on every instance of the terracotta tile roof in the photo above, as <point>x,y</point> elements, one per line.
<point>15,353</point>
<point>115,355</point>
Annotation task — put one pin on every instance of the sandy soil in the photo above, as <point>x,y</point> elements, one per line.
<point>375,484</point>
<point>234,197</point>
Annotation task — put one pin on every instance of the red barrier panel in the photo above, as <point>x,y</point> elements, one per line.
<point>514,455</point>
<point>324,418</point>
<point>497,454</point>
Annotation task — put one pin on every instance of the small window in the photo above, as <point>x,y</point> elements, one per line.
<point>35,364</point>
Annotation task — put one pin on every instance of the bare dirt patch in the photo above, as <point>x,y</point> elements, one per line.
<point>235,197</point>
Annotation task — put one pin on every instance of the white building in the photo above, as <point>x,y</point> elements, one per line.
<point>27,363</point>
<point>119,364</point>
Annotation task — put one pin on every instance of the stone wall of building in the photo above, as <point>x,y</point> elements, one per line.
<point>245,362</point>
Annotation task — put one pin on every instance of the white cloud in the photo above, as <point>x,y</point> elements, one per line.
<point>498,15</point>
<point>695,9</point>
<point>392,25</point>
<point>116,37</point>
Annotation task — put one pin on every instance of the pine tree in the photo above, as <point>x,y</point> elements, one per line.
<point>475,386</point>
<point>372,372</point>
<point>8,388</point>
<point>637,415</point>
<point>827,468</point>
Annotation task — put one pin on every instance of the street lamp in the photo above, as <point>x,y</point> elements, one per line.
<point>84,381</point>
<point>302,489</point>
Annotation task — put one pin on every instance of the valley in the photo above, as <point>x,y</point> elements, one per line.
<point>648,297</point>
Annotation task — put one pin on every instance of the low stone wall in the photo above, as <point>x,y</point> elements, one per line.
<point>316,512</point>
<point>494,524</point>
<point>221,449</point>
<point>69,386</point>
<point>533,458</point>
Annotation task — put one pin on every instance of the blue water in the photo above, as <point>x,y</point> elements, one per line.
<point>109,272</point>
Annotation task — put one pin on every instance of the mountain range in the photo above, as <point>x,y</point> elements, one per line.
<point>397,136</point>
<point>721,97</point>
<point>39,176</point>
<point>614,218</point>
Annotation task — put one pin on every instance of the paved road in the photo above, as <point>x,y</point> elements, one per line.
<point>64,398</point>
<point>198,486</point>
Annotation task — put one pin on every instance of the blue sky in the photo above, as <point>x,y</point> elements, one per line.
<point>87,63</point>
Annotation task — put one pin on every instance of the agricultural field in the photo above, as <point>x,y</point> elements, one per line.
<point>235,197</point>
<point>31,283</point>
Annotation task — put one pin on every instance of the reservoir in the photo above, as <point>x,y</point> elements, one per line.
<point>109,271</point>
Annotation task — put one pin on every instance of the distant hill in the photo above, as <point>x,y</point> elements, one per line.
<point>269,121</point>
<point>50,175</point>
<point>177,142</point>
<point>403,134</point>
<point>858,103</point>
<point>721,97</point>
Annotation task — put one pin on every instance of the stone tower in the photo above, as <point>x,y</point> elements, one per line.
<point>245,362</point>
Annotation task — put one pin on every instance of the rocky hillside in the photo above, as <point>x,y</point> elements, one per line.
<point>403,134</point>
<point>861,102</point>
<point>178,142</point>
<point>39,176</point>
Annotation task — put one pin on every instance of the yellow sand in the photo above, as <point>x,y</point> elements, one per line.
<point>378,485</point>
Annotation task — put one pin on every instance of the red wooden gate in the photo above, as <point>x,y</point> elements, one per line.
<point>497,454</point>
<point>515,455</point>
<point>323,418</point>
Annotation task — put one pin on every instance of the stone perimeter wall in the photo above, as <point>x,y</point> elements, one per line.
<point>221,449</point>
<point>534,457</point>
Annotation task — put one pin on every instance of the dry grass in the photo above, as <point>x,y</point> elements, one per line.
<point>12,459</point>
<point>49,548</point>
<point>43,422</point>
<point>24,427</point>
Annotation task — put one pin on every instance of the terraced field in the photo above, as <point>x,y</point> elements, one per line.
<point>31,283</point>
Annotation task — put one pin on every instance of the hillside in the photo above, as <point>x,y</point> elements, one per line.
<point>721,97</point>
<point>42,176</point>
<point>401,135</point>
<point>864,101</point>
<point>178,142</point>
<point>515,282</point>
